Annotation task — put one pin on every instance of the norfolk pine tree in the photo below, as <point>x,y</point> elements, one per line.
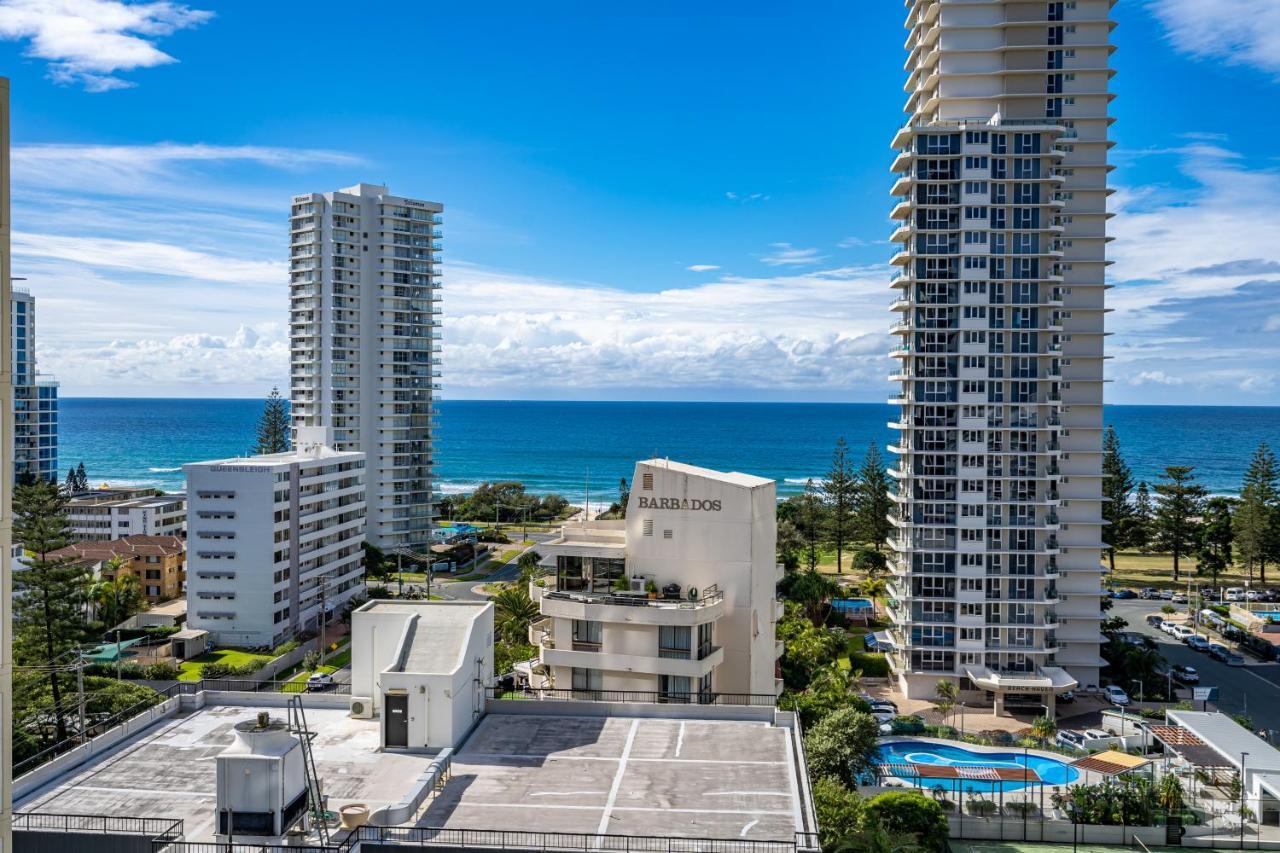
<point>1258,515</point>
<point>873,504</point>
<point>49,608</point>
<point>1177,519</point>
<point>1117,486</point>
<point>273,426</point>
<point>839,490</point>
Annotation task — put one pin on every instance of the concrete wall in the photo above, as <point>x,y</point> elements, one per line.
<point>1053,831</point>
<point>586,708</point>
<point>32,841</point>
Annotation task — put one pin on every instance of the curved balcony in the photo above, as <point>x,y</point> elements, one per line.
<point>638,609</point>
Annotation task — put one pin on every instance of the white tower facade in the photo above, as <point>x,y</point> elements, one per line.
<point>1001,186</point>
<point>365,343</point>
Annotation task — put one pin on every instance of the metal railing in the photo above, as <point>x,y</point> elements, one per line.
<point>148,706</point>
<point>515,839</point>
<point>707,596</point>
<point>158,828</point>
<point>759,700</point>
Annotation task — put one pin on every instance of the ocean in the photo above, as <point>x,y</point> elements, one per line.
<point>573,448</point>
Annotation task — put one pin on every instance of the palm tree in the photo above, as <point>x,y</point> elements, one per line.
<point>528,563</point>
<point>515,612</point>
<point>876,839</point>
<point>1169,793</point>
<point>1044,728</point>
<point>945,696</point>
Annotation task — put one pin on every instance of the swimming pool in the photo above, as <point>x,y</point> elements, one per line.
<point>1050,770</point>
<point>851,605</point>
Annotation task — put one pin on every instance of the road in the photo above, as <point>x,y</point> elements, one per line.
<point>465,590</point>
<point>1253,689</point>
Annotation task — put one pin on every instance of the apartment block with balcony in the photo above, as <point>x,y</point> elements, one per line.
<point>365,343</point>
<point>106,514</point>
<point>274,541</point>
<point>157,563</point>
<point>677,599</point>
<point>1001,202</point>
<point>35,397</point>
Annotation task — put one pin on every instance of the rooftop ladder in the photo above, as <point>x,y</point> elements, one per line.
<point>298,726</point>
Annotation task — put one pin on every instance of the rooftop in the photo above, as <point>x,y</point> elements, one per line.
<point>679,775</point>
<point>169,771</point>
<point>1228,738</point>
<point>695,778</point>
<point>308,453</point>
<point>437,646</point>
<point>733,478</point>
<point>129,546</point>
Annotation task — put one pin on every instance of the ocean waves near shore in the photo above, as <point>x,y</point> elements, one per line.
<point>575,447</point>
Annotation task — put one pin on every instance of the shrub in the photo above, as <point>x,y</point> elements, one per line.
<point>841,745</point>
<point>284,648</point>
<point>872,665</point>
<point>982,808</point>
<point>311,661</point>
<point>907,725</point>
<point>161,672</point>
<point>214,670</point>
<point>908,813</point>
<point>489,535</point>
<point>838,811</point>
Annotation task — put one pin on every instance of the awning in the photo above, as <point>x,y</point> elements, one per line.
<point>1110,763</point>
<point>109,651</point>
<point>1188,746</point>
<point>880,639</point>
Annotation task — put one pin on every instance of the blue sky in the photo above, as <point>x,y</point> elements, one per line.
<point>641,201</point>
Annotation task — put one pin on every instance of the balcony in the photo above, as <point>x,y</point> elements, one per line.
<point>636,608</point>
<point>655,664</point>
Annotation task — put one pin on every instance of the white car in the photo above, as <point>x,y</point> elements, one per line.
<point>1181,632</point>
<point>1115,695</point>
<point>1235,593</point>
<point>320,681</point>
<point>1252,595</point>
<point>1180,598</point>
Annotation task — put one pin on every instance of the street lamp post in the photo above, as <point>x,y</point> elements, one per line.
<point>1243,756</point>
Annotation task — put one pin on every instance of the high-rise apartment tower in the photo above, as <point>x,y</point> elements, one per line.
<point>365,343</point>
<point>1002,188</point>
<point>6,491</point>
<point>35,398</point>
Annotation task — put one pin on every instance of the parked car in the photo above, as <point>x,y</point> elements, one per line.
<point>1147,593</point>
<point>1182,632</point>
<point>1155,621</point>
<point>1198,643</point>
<point>1233,659</point>
<point>1095,734</point>
<point>1217,651</point>
<point>1089,688</point>
<point>883,705</point>
<point>1185,674</point>
<point>1067,698</point>
<point>1125,593</point>
<point>1166,594</point>
<point>1070,739</point>
<point>1179,598</point>
<point>319,681</point>
<point>1252,595</point>
<point>1115,695</point>
<point>1234,593</point>
<point>884,715</point>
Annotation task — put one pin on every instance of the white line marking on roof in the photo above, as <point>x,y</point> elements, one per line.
<point>680,739</point>
<point>617,778</point>
<point>746,793</point>
<point>747,828</point>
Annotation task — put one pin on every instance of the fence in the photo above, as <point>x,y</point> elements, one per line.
<point>155,827</point>
<point>178,688</point>
<point>758,700</point>
<point>515,839</point>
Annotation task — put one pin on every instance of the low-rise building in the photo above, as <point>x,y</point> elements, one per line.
<point>422,666</point>
<point>102,515</point>
<point>157,562</point>
<point>275,540</point>
<point>678,599</point>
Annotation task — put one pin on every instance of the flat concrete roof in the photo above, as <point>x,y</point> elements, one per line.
<point>169,770</point>
<point>691,778</point>
<point>439,638</point>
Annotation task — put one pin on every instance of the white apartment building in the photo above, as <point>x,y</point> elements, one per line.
<point>273,539</point>
<point>1002,189</point>
<point>35,397</point>
<point>6,485</point>
<point>678,599</point>
<point>105,515</point>
<point>364,342</point>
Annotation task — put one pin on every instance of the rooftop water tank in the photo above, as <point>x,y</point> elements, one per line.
<point>261,787</point>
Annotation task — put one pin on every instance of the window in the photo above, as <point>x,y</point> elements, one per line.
<point>646,481</point>
<point>674,688</point>
<point>586,635</point>
<point>970,609</point>
<point>586,679</point>
<point>675,642</point>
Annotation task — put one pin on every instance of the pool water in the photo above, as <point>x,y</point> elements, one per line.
<point>1050,770</point>
<point>851,605</point>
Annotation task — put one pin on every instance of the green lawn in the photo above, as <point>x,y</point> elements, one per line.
<point>190,669</point>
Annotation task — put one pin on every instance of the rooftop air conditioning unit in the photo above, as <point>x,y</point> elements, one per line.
<point>637,583</point>
<point>361,707</point>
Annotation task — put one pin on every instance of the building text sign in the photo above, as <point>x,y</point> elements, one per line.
<point>680,503</point>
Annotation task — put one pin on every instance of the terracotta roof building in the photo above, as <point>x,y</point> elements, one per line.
<point>158,562</point>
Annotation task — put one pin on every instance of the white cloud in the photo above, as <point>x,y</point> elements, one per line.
<point>1158,377</point>
<point>1241,32</point>
<point>702,267</point>
<point>746,197</point>
<point>88,41</point>
<point>784,254</point>
<point>850,242</point>
<point>148,258</point>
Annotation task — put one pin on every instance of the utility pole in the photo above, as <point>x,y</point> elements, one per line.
<point>117,654</point>
<point>400,571</point>
<point>80,688</point>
